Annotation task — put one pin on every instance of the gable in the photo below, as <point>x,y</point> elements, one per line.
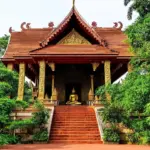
<point>74,38</point>
<point>72,21</point>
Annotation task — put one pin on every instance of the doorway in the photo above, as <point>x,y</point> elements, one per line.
<point>69,88</point>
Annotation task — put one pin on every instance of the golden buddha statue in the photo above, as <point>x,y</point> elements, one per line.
<point>73,98</point>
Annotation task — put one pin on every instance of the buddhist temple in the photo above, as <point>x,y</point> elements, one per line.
<point>74,56</point>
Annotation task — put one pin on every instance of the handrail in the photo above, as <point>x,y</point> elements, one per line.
<point>99,121</point>
<point>50,120</point>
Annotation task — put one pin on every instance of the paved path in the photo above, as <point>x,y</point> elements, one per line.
<point>75,147</point>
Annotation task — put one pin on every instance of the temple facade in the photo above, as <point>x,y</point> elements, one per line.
<point>72,56</point>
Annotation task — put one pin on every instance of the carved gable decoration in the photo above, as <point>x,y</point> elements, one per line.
<point>74,38</point>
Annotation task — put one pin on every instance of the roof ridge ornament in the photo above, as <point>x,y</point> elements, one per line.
<point>25,26</point>
<point>10,30</point>
<point>116,25</point>
<point>73,3</point>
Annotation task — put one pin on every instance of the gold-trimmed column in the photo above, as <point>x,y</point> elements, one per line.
<point>42,66</point>
<point>21,81</point>
<point>10,66</point>
<point>107,72</point>
<point>130,67</point>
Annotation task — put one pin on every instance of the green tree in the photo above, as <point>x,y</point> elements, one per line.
<point>3,44</point>
<point>8,94</point>
<point>130,100</point>
<point>140,6</point>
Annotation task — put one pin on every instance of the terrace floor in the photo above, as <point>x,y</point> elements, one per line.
<point>74,147</point>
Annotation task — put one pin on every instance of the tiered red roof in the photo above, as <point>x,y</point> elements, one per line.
<point>30,43</point>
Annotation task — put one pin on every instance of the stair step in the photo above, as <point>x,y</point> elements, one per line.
<point>74,115</point>
<point>74,138</point>
<point>76,142</point>
<point>74,129</point>
<point>73,132</point>
<point>75,135</point>
<point>74,124</point>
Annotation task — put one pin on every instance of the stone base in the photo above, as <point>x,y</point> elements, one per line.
<point>73,103</point>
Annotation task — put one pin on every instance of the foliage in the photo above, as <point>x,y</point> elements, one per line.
<point>27,92</point>
<point>8,82</point>
<point>139,36</point>
<point>145,137</point>
<point>36,124</point>
<point>114,113</point>
<point>41,136</point>
<point>21,104</point>
<point>21,124</point>
<point>5,89</point>
<point>40,117</point>
<point>3,44</point>
<point>140,6</point>
<point>133,137</point>
<point>111,135</point>
<point>130,100</point>
<point>3,140</point>
<point>8,139</point>
<point>6,107</point>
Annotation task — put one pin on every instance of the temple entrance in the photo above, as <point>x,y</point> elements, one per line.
<point>68,90</point>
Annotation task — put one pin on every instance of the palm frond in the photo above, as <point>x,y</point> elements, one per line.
<point>126,2</point>
<point>130,12</point>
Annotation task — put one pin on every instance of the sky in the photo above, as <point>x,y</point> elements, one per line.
<point>40,12</point>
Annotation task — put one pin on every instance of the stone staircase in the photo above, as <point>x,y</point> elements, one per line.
<point>74,125</point>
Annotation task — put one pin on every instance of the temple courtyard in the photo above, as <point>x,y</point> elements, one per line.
<point>75,147</point>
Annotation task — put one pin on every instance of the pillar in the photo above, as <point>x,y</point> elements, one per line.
<point>42,66</point>
<point>92,83</point>
<point>130,68</point>
<point>21,81</point>
<point>10,66</point>
<point>53,83</point>
<point>107,72</point>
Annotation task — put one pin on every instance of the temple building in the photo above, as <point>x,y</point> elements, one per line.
<point>69,62</point>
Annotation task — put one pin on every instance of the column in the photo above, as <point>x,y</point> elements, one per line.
<point>107,76</point>
<point>53,83</point>
<point>92,83</point>
<point>107,72</point>
<point>130,68</point>
<point>10,66</point>
<point>42,66</point>
<point>21,81</point>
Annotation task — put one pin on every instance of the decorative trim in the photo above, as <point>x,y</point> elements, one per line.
<point>107,72</point>
<point>10,66</point>
<point>42,66</point>
<point>74,38</point>
<point>95,66</point>
<point>21,81</point>
<point>52,66</point>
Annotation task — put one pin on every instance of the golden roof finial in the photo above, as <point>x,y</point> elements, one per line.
<point>73,3</point>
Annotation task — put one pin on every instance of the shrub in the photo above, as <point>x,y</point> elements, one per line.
<point>145,138</point>
<point>40,118</point>
<point>21,124</point>
<point>133,137</point>
<point>8,139</point>
<point>41,136</point>
<point>111,135</point>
